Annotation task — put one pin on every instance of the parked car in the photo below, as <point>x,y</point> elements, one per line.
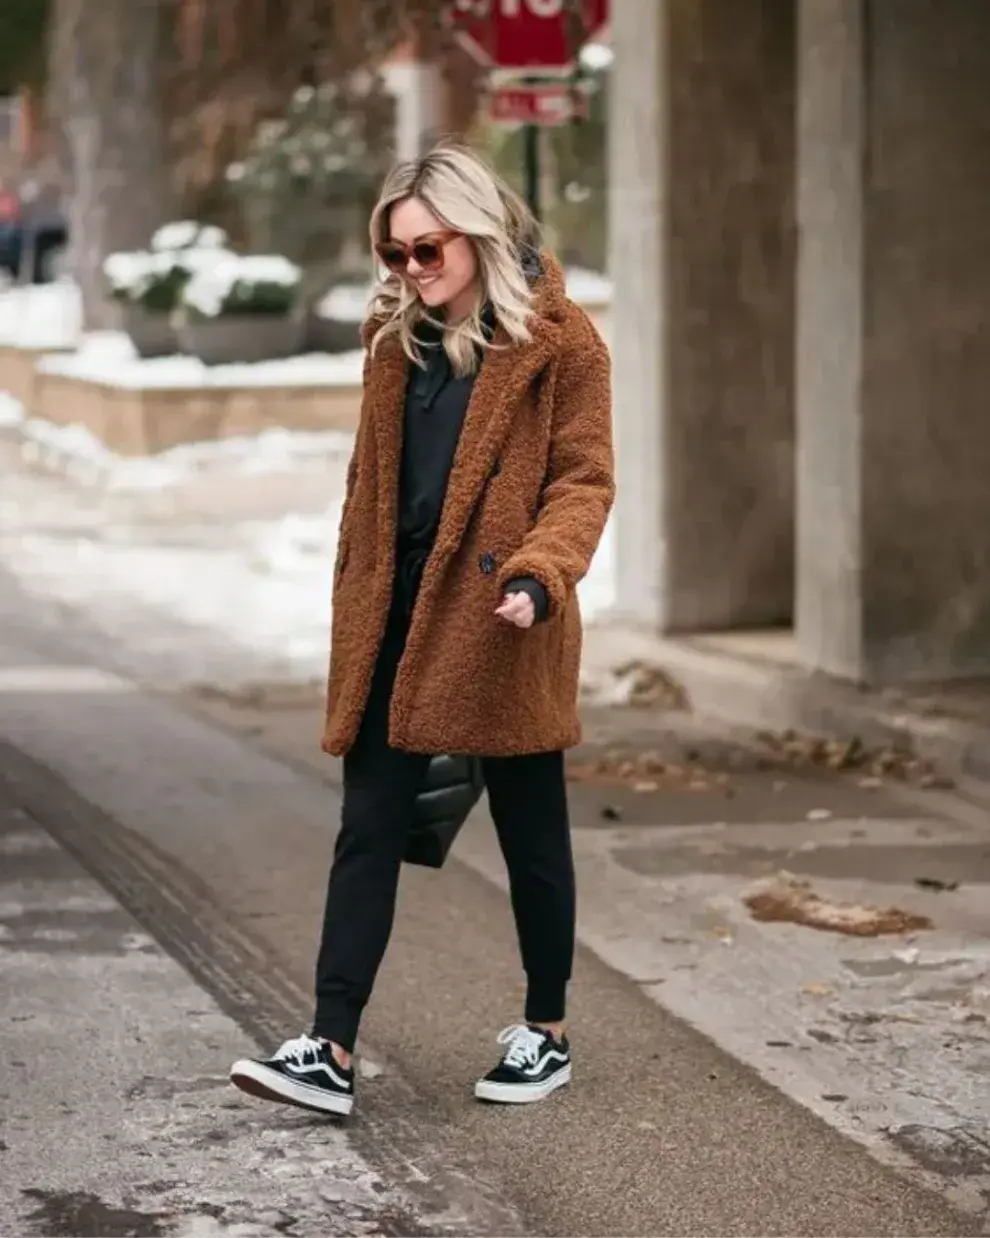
<point>33,229</point>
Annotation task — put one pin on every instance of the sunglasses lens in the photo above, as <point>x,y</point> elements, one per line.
<point>393,256</point>
<point>428,254</point>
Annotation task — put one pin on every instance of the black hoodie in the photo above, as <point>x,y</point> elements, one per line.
<point>436,401</point>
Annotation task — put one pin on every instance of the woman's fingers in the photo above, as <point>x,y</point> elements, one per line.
<point>517,608</point>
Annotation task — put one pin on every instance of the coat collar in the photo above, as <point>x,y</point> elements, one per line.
<point>506,372</point>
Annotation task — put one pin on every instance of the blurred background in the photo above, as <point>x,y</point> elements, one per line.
<point>275,121</point>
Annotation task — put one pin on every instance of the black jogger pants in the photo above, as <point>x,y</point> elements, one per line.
<point>528,801</point>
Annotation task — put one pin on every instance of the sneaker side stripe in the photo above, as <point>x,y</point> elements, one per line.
<point>302,1071</point>
<point>276,1086</point>
<point>538,1067</point>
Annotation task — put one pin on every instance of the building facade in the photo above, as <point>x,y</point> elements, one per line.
<point>800,204</point>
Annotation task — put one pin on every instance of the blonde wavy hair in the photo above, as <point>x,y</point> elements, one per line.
<point>468,197</point>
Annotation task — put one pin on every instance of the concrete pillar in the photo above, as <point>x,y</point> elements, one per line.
<point>702,254</point>
<point>418,89</point>
<point>893,369</point>
<point>637,260</point>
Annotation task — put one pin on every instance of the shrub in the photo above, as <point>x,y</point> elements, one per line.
<point>155,280</point>
<point>255,284</point>
<point>183,234</point>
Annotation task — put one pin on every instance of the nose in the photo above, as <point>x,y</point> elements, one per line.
<point>414,269</point>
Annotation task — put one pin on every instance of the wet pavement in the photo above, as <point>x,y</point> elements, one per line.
<point>887,1038</point>
<point>116,1117</point>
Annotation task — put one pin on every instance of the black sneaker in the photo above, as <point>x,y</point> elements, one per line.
<point>303,1072</point>
<point>533,1066</point>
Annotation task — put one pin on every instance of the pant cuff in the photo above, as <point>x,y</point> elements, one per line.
<point>546,1001</point>
<point>339,1026</point>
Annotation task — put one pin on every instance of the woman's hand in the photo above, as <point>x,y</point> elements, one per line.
<point>517,608</point>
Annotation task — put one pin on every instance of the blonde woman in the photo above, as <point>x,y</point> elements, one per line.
<point>480,484</point>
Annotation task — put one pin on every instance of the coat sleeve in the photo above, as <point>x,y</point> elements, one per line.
<point>580,482</point>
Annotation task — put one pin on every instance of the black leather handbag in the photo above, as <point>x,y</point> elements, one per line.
<point>451,788</point>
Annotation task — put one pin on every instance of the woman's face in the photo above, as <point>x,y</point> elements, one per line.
<point>455,283</point>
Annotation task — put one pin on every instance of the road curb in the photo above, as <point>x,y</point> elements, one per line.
<point>761,694</point>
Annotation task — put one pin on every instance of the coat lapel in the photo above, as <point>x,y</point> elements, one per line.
<point>506,373</point>
<point>388,378</point>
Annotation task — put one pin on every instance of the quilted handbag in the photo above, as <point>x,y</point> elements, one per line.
<point>451,788</point>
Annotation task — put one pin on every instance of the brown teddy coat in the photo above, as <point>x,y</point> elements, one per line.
<point>529,493</point>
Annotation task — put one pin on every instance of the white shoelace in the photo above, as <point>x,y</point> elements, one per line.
<point>298,1050</point>
<point>523,1043</point>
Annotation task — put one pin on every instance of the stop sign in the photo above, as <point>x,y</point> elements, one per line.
<point>524,36</point>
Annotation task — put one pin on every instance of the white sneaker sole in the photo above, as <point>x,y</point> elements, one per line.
<point>521,1093</point>
<point>266,1084</point>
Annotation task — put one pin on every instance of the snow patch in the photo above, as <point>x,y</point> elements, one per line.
<point>109,357</point>
<point>134,275</point>
<point>588,287</point>
<point>41,316</point>
<point>80,455</point>
<point>345,303</point>
<point>234,278</point>
<point>186,234</point>
<point>12,412</point>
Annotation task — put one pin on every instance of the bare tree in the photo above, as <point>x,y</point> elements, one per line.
<point>105,99</point>
<point>237,62</point>
<point>149,100</point>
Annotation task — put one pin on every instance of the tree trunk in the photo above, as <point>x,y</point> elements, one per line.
<point>105,96</point>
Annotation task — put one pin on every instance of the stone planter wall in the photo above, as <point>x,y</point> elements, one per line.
<point>18,371</point>
<point>134,422</point>
<point>142,422</point>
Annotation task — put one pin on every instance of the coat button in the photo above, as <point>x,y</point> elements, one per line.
<point>487,563</point>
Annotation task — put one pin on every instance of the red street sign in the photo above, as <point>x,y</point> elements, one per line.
<point>546,104</point>
<point>524,36</point>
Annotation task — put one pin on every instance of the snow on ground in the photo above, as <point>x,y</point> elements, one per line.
<point>109,357</point>
<point>75,452</point>
<point>266,589</point>
<point>11,411</point>
<point>41,316</point>
<point>262,585</point>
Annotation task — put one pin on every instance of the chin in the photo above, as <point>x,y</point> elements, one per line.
<point>434,295</point>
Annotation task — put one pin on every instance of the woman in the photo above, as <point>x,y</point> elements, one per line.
<point>478,491</point>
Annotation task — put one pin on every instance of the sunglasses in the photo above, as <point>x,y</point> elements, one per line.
<point>426,251</point>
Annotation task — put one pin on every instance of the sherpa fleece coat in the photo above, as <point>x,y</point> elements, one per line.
<point>529,493</point>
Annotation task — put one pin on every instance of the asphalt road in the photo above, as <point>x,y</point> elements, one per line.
<point>221,852</point>
<point>117,1116</point>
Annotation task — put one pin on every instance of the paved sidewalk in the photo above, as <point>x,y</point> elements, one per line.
<point>885,1037</point>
